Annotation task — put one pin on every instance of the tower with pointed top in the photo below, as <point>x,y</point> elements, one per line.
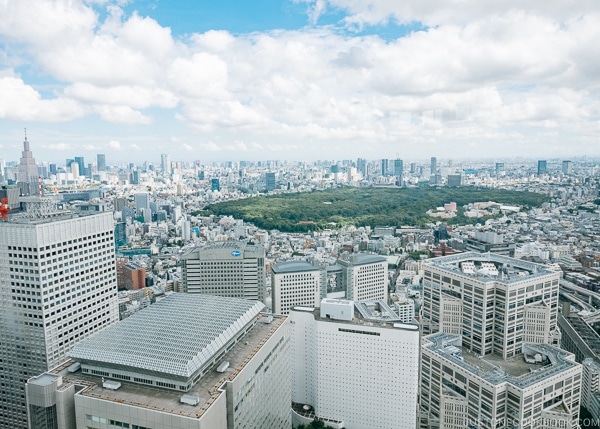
<point>27,174</point>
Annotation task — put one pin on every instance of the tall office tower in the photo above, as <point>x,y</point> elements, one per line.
<point>230,268</point>
<point>355,365</point>
<point>385,167</point>
<point>188,361</point>
<point>53,169</point>
<point>500,169</point>
<point>215,185</point>
<point>142,201</point>
<point>101,161</point>
<point>399,171</point>
<point>567,167</point>
<point>488,359</point>
<point>364,276</point>
<point>296,283</point>
<point>165,163</point>
<point>497,303</point>
<point>542,167</point>
<point>539,388</point>
<point>270,181</point>
<point>57,286</point>
<point>75,170</point>
<point>81,163</point>
<point>27,173</point>
<point>434,167</point>
<point>436,177</point>
<point>361,166</point>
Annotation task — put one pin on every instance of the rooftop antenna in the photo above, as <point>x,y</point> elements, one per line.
<point>25,134</point>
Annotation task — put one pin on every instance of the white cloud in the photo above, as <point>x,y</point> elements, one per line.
<point>61,147</point>
<point>121,114</point>
<point>115,145</point>
<point>480,71</point>
<point>19,101</point>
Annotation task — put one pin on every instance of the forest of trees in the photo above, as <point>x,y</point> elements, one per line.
<point>301,212</point>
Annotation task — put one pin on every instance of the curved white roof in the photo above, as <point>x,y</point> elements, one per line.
<point>176,336</point>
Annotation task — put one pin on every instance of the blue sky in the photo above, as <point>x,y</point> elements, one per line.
<point>299,80</point>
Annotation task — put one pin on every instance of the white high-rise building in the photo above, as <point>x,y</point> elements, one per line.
<point>495,302</point>
<point>165,163</point>
<point>186,362</point>
<point>58,286</point>
<point>459,389</point>
<point>296,284</point>
<point>229,268</point>
<point>365,277</point>
<point>356,366</point>
<point>488,361</point>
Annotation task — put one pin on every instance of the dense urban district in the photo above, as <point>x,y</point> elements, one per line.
<point>357,294</point>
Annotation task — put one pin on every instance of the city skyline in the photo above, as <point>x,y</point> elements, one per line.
<point>298,79</point>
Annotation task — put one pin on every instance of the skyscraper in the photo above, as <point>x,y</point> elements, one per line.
<point>57,286</point>
<point>399,171</point>
<point>433,165</point>
<point>385,167</point>
<point>567,167</point>
<point>81,163</point>
<point>101,161</point>
<point>165,163</point>
<point>488,359</point>
<point>270,181</point>
<point>435,178</point>
<point>361,167</point>
<point>27,174</point>
<point>542,167</point>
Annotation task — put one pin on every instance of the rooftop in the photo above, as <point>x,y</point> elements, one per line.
<point>362,259</point>
<point>496,370</point>
<point>489,267</point>
<point>207,389</point>
<point>176,336</point>
<point>366,313</point>
<point>293,267</point>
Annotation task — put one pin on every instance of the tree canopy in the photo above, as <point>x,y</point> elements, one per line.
<point>301,212</point>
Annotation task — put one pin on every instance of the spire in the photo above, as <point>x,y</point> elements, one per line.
<point>27,174</point>
<point>25,143</point>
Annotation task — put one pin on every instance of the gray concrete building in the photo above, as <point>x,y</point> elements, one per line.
<point>230,268</point>
<point>187,362</point>
<point>58,286</point>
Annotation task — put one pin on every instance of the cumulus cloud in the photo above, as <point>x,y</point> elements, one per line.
<point>475,70</point>
<point>19,101</point>
<point>114,145</point>
<point>58,147</point>
<point>121,114</point>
